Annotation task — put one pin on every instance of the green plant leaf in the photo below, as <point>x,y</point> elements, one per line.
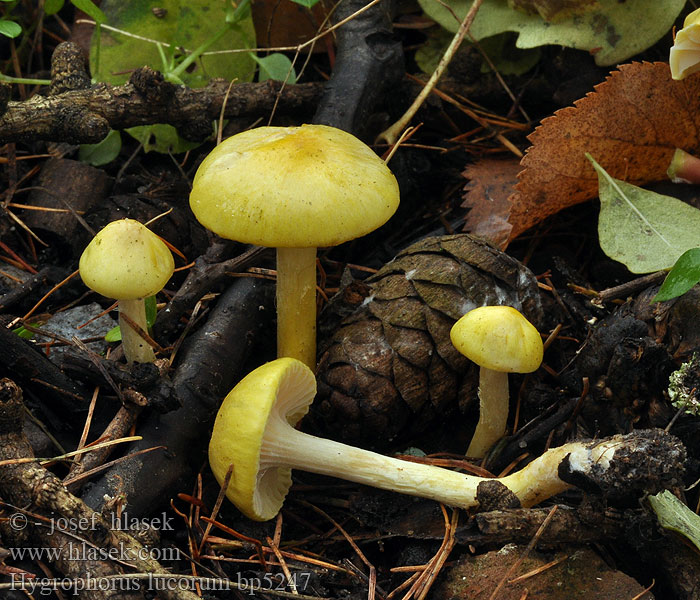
<point>9,28</point>
<point>306,3</point>
<point>161,138</point>
<point>275,66</point>
<point>644,230</point>
<point>115,334</point>
<point>103,152</point>
<point>151,308</point>
<point>92,11</point>
<point>683,276</point>
<point>613,31</point>
<point>187,24</point>
<point>676,516</point>
<point>24,333</point>
<point>506,57</point>
<point>51,7</point>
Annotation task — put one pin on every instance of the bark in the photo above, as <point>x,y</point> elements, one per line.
<point>369,63</point>
<point>80,115</point>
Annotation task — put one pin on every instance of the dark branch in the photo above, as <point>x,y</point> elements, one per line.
<point>85,115</point>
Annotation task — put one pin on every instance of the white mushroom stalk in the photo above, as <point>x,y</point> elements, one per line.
<point>294,189</point>
<point>255,440</point>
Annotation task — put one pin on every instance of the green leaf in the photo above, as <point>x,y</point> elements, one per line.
<point>161,138</point>
<point>644,230</point>
<point>9,28</point>
<point>275,66</point>
<point>187,24</point>
<point>508,59</point>
<point>151,307</point>
<point>51,7</point>
<point>103,152</point>
<point>613,31</point>
<point>90,10</point>
<point>683,276</point>
<point>676,516</point>
<point>306,3</point>
<point>24,333</point>
<point>115,334</point>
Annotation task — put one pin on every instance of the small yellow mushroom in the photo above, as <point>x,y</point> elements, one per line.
<point>500,340</point>
<point>128,262</point>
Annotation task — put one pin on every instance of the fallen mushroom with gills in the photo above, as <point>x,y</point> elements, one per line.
<point>294,189</point>
<point>126,261</point>
<point>500,340</point>
<point>255,440</point>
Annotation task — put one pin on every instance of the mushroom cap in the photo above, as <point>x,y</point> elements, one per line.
<point>126,261</point>
<point>279,390</point>
<point>498,338</point>
<point>293,187</point>
<point>684,56</point>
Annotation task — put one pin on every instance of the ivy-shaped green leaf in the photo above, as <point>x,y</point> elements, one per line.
<point>612,31</point>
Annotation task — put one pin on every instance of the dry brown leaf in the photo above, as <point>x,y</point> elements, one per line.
<point>491,182</point>
<point>630,124</point>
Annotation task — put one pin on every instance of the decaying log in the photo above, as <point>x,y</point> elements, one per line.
<point>80,116</point>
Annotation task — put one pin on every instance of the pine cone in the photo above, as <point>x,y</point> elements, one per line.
<point>390,370</point>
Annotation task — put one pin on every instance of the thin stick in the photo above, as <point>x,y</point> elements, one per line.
<point>391,134</point>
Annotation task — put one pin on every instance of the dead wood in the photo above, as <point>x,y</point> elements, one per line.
<point>369,62</point>
<point>34,287</point>
<point>22,361</point>
<point>85,115</point>
<point>46,503</point>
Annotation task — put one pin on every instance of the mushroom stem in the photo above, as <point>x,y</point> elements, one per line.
<point>296,304</point>
<point>493,411</point>
<point>136,349</point>
<point>283,446</point>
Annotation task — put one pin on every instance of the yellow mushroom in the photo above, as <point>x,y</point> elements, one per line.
<point>255,440</point>
<point>684,57</point>
<point>500,340</point>
<point>128,262</point>
<point>294,189</point>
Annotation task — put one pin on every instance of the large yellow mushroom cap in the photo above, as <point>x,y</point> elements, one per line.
<point>126,261</point>
<point>498,338</point>
<point>293,187</point>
